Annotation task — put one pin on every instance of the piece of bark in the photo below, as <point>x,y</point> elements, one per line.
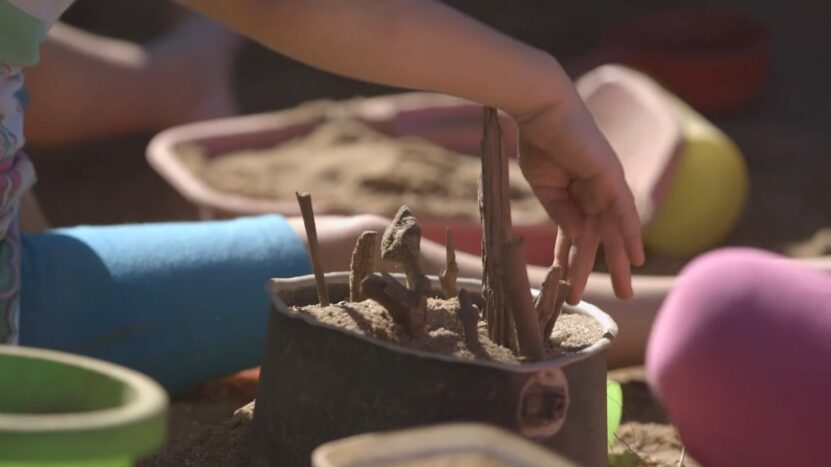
<point>563,288</point>
<point>469,317</point>
<point>362,264</point>
<point>375,288</point>
<point>306,210</point>
<point>417,300</point>
<point>401,244</point>
<point>450,272</point>
<point>495,212</point>
<point>518,289</point>
<point>546,300</point>
<point>408,308</point>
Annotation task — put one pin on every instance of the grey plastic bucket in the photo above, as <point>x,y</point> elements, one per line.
<point>319,383</point>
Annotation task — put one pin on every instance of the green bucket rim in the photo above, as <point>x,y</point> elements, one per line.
<point>136,427</point>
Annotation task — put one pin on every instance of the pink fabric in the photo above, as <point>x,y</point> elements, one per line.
<point>740,356</point>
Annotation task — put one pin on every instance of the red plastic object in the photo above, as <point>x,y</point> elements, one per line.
<point>717,60</point>
<point>240,387</point>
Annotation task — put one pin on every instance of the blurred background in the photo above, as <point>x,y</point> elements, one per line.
<point>782,127</point>
<point>758,70</point>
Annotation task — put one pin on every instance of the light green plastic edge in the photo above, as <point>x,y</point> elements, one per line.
<point>68,410</point>
<point>614,409</point>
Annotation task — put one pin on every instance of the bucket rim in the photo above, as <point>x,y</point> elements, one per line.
<point>276,286</point>
<point>431,440</point>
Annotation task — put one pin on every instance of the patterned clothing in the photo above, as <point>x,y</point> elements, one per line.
<point>23,26</point>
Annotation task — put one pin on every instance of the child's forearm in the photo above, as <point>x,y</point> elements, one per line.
<point>417,44</point>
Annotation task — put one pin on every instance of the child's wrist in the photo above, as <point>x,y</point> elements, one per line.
<point>547,87</point>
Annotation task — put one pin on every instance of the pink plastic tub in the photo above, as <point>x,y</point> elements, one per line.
<point>450,122</point>
<point>632,112</point>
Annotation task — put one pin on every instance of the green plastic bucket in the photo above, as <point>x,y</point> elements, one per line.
<point>58,409</point>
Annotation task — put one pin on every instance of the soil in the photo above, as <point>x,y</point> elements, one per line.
<point>354,168</point>
<point>572,332</point>
<point>205,431</point>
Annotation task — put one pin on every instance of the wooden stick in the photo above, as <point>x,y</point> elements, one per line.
<point>450,272</point>
<point>305,202</point>
<point>495,211</point>
<point>407,307</point>
<point>547,298</point>
<point>528,333</point>
<point>469,317</point>
<point>563,289</point>
<point>362,264</point>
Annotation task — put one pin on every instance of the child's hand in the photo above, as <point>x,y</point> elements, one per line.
<point>579,180</point>
<point>429,46</point>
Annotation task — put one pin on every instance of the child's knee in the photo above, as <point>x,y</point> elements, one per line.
<point>369,222</point>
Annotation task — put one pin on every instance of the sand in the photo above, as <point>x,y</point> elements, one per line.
<point>353,169</point>
<point>572,333</point>
<point>205,432</point>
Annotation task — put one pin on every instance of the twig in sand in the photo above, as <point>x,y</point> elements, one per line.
<point>450,272</point>
<point>363,259</point>
<point>562,250</point>
<point>407,307</point>
<point>401,244</point>
<point>518,291</point>
<point>305,202</point>
<point>563,288</point>
<point>469,317</point>
<point>495,211</point>
<point>547,298</point>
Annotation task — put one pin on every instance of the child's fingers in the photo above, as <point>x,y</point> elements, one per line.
<point>617,259</point>
<point>562,249</point>
<point>561,208</point>
<point>630,228</point>
<point>581,260</point>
